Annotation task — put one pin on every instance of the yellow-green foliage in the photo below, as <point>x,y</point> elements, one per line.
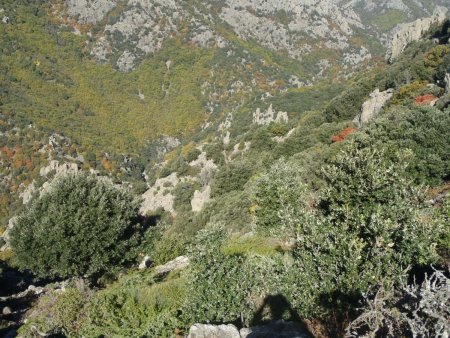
<point>435,56</point>
<point>388,20</point>
<point>58,86</point>
<point>254,244</point>
<point>408,92</point>
<point>134,307</point>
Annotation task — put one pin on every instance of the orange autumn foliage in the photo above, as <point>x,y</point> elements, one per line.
<point>342,135</point>
<point>425,99</point>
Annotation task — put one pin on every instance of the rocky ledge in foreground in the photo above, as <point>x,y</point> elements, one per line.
<point>276,329</point>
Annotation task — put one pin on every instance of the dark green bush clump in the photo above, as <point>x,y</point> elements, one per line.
<point>423,130</point>
<point>81,227</point>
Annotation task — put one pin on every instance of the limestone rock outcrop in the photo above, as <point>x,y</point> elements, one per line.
<point>5,235</point>
<point>178,263</point>
<point>275,329</point>
<point>372,107</point>
<point>447,83</point>
<point>269,116</point>
<point>90,11</point>
<point>403,34</point>
<point>200,199</point>
<point>59,168</point>
<point>160,195</point>
<point>213,331</point>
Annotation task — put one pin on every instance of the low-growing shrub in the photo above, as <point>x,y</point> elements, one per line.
<point>134,307</point>
<point>415,310</point>
<point>59,311</point>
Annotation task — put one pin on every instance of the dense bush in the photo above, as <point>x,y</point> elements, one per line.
<point>423,130</point>
<point>183,193</point>
<point>216,290</point>
<point>81,227</point>
<point>223,288</point>
<point>135,306</point>
<point>369,225</point>
<point>231,177</point>
<point>275,191</point>
<point>347,105</point>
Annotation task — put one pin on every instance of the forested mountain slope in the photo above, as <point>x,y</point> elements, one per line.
<point>251,180</point>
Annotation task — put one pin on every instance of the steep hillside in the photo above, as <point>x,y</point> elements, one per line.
<point>186,66</point>
<point>260,164</point>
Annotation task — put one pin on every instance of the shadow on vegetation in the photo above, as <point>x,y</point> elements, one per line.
<point>275,308</point>
<point>13,296</point>
<point>148,221</point>
<point>342,307</point>
<point>444,34</point>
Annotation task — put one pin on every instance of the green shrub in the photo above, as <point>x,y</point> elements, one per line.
<point>219,286</point>
<point>347,105</point>
<point>234,283</point>
<point>368,226</point>
<point>58,312</point>
<point>423,130</point>
<point>135,306</point>
<point>280,188</point>
<point>81,227</point>
<point>231,177</point>
<point>192,155</point>
<point>183,193</point>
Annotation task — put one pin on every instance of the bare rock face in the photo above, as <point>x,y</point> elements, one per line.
<point>176,264</point>
<point>371,108</point>
<point>276,329</point>
<point>160,195</point>
<point>200,199</point>
<point>447,83</point>
<point>406,33</point>
<point>213,331</point>
<point>5,235</point>
<point>27,193</point>
<point>269,116</point>
<point>90,11</point>
<point>60,169</point>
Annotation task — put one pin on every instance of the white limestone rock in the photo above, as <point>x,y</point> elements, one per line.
<point>11,223</point>
<point>178,263</point>
<point>206,166</point>
<point>269,116</point>
<point>160,195</point>
<point>371,108</point>
<point>126,61</point>
<point>60,168</point>
<point>90,11</point>
<point>405,33</point>
<point>146,263</point>
<point>447,83</point>
<point>200,198</point>
<point>27,193</point>
<point>213,331</point>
